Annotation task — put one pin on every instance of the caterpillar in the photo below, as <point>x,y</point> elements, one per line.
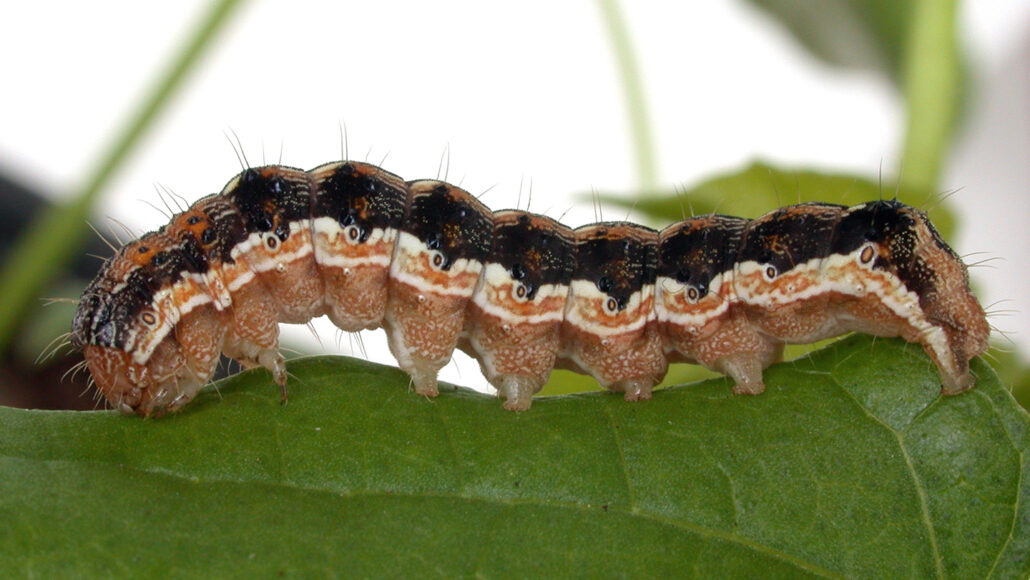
<point>520,292</point>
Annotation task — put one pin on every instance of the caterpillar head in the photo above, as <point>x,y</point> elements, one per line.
<point>893,237</point>
<point>124,325</point>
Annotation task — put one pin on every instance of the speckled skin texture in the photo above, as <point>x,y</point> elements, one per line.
<point>519,292</point>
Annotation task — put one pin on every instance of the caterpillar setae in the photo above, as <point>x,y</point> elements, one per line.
<point>520,292</point>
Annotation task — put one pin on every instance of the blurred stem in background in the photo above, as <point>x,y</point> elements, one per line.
<point>55,235</point>
<point>633,90</point>
<point>931,74</point>
<point>914,42</point>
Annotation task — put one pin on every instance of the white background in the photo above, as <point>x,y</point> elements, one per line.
<point>519,92</point>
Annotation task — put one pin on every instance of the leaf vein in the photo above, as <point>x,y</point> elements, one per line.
<point>924,507</point>
<point>622,459</point>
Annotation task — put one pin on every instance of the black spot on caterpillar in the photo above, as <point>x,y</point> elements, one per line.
<point>520,292</point>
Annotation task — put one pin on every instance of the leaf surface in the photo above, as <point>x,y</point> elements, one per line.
<point>850,465</point>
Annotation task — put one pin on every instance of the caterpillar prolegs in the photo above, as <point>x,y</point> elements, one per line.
<point>520,292</point>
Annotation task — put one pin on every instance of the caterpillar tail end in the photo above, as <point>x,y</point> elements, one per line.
<point>958,383</point>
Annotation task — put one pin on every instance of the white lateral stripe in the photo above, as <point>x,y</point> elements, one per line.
<point>409,250</point>
<point>588,291</point>
<point>241,281</point>
<point>331,228</point>
<point>667,309</point>
<point>691,319</point>
<point>459,267</point>
<point>494,277</point>
<point>325,254</point>
<point>352,262</point>
<point>169,317</point>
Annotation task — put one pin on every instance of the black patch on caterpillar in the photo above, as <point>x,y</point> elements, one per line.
<point>92,321</point>
<point>891,225</point>
<point>193,255</point>
<point>267,199</point>
<point>114,316</point>
<point>449,221</point>
<point>224,231</point>
<point>698,249</point>
<point>106,315</point>
<point>361,195</point>
<point>790,236</point>
<point>619,258</point>
<point>535,250</point>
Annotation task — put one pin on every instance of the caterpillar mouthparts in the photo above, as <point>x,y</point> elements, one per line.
<point>519,292</point>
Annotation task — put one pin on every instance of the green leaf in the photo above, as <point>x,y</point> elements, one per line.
<point>864,34</point>
<point>1013,372</point>
<point>851,464</point>
<point>760,188</point>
